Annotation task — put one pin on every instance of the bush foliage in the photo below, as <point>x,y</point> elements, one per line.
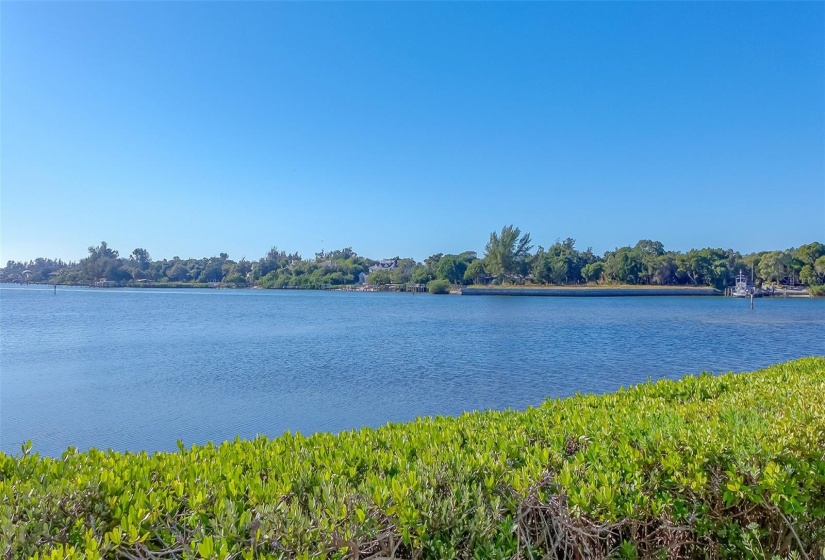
<point>438,286</point>
<point>729,466</point>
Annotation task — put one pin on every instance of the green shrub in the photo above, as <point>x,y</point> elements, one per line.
<point>438,286</point>
<point>236,279</point>
<point>817,291</point>
<point>730,466</point>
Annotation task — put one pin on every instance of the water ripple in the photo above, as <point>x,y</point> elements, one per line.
<point>140,369</point>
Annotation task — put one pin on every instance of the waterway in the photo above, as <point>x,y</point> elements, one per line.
<point>140,369</point>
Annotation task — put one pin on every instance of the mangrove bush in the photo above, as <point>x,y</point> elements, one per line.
<point>725,466</point>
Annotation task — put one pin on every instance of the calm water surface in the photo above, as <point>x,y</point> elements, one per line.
<point>140,369</point>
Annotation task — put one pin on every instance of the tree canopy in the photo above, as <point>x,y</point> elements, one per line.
<point>507,259</point>
<point>506,253</point>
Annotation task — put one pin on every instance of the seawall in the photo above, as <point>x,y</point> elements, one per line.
<point>590,292</point>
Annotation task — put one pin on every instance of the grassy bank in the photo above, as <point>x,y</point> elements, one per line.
<point>730,466</point>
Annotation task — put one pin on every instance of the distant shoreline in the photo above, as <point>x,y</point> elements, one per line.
<point>558,291</point>
<point>621,290</point>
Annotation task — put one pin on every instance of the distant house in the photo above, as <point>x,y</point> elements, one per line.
<point>362,277</point>
<point>384,265</point>
<point>327,264</point>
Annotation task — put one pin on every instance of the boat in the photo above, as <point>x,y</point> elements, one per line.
<point>743,289</point>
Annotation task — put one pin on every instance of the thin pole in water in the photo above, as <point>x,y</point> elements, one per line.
<point>55,289</point>
<point>751,301</point>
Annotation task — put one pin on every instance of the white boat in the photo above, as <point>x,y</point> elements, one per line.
<point>743,289</point>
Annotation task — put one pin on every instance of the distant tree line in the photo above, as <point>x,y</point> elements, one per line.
<point>508,258</point>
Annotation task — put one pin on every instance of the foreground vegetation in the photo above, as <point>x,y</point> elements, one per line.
<point>508,259</point>
<point>730,466</point>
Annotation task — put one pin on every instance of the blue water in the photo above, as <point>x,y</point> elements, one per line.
<point>141,369</point>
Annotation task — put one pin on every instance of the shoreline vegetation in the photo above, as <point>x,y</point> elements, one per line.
<point>726,466</point>
<point>509,261</point>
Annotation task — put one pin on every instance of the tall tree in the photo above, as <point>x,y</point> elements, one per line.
<point>506,252</point>
<point>102,262</point>
<point>451,268</point>
<point>624,266</point>
<point>431,263</point>
<point>564,262</point>
<point>140,261</point>
<point>592,272</point>
<point>810,252</point>
<point>141,256</point>
<point>474,272</point>
<point>649,252</point>
<point>663,270</point>
<point>541,266</point>
<point>774,266</point>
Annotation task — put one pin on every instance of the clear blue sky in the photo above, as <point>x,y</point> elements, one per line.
<point>408,129</point>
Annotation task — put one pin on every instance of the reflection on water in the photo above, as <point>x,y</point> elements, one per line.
<point>141,369</point>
